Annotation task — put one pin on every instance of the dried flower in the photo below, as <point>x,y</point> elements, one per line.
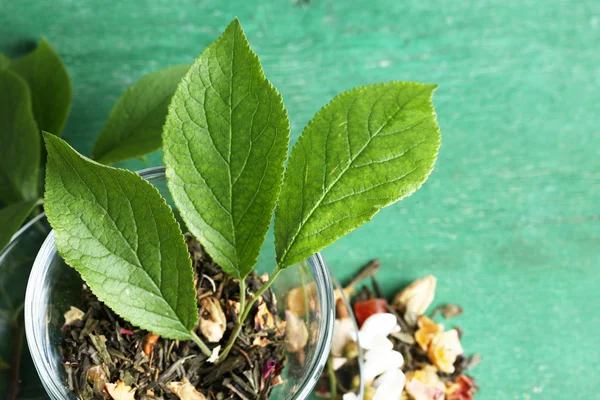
<point>341,335</point>
<point>212,319</point>
<point>276,380</point>
<point>378,362</point>
<point>389,385</point>
<point>149,341</point>
<point>185,390</point>
<point>427,330</point>
<point>443,350</point>
<point>296,333</point>
<point>419,391</point>
<point>297,301</point>
<point>120,391</point>
<point>463,388</point>
<point>269,368</point>
<point>74,314</point>
<point>214,355</point>
<point>261,341</point>
<point>126,331</point>
<point>428,376</point>
<point>415,298</point>
<point>263,318</point>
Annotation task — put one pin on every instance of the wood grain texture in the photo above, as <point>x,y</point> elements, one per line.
<point>509,221</point>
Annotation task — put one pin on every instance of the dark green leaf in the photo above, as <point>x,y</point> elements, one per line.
<point>368,148</point>
<point>135,123</point>
<point>11,219</point>
<point>225,143</point>
<point>50,86</point>
<point>116,230</point>
<point>19,141</point>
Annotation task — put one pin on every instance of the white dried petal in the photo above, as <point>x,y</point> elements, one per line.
<point>342,329</point>
<point>185,390</point>
<point>377,362</point>
<point>338,362</point>
<point>214,355</point>
<point>120,391</point>
<point>389,385</point>
<point>74,314</point>
<point>212,319</point>
<point>296,333</point>
<point>381,324</point>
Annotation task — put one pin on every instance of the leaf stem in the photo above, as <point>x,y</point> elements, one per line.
<point>242,295</point>
<point>207,352</point>
<point>244,315</point>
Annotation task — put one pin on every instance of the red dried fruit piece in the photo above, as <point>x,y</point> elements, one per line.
<point>364,309</point>
<point>462,389</point>
<point>126,332</point>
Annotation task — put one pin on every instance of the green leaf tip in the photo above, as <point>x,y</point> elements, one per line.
<point>50,85</point>
<point>116,230</point>
<point>19,141</point>
<point>225,142</point>
<point>368,148</point>
<point>134,126</point>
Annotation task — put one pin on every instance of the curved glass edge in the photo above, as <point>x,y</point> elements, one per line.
<point>361,386</point>
<point>56,391</point>
<point>14,238</point>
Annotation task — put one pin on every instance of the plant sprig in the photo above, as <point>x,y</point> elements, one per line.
<point>225,142</point>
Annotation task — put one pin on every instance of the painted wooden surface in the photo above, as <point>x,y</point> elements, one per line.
<point>509,221</point>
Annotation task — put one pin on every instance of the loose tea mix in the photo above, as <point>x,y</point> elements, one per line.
<point>407,354</point>
<point>105,355</point>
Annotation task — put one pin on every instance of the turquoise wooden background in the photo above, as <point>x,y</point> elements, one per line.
<point>509,221</point>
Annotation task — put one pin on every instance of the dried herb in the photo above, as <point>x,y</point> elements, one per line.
<point>425,347</point>
<point>100,348</point>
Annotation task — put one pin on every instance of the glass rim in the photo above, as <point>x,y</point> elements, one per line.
<point>35,292</point>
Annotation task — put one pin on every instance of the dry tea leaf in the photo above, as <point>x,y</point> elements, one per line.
<point>416,297</point>
<point>185,390</point>
<point>119,391</point>
<point>443,350</point>
<point>296,333</point>
<point>74,314</point>
<point>427,330</point>
<point>448,311</point>
<point>212,319</point>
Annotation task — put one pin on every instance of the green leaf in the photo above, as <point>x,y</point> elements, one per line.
<point>116,230</point>
<point>135,123</point>
<point>19,141</point>
<point>225,143</point>
<point>4,61</point>
<point>368,148</point>
<point>50,86</point>
<point>11,219</point>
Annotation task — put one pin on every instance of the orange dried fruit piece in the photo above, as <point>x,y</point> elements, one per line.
<point>427,331</point>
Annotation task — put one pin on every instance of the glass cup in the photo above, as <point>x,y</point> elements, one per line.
<point>53,287</point>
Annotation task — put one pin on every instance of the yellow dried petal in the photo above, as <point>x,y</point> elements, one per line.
<point>443,350</point>
<point>426,332</point>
